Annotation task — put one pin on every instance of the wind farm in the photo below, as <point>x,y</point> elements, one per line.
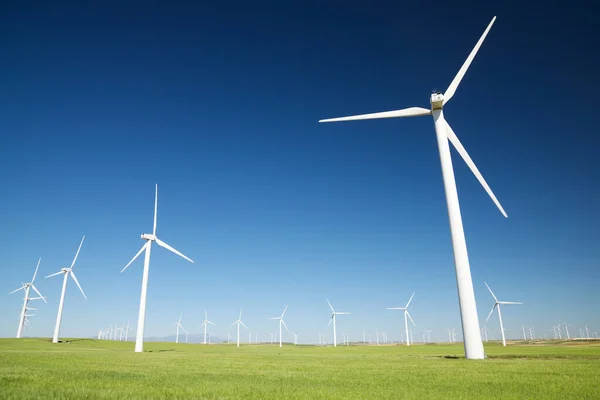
<point>278,208</point>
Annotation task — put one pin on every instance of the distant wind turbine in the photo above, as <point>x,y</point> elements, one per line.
<point>567,330</point>
<point>444,133</point>
<point>239,322</point>
<point>149,238</point>
<point>127,329</point>
<point>26,287</point>
<point>179,326</point>
<point>497,305</point>
<point>205,324</point>
<point>406,314</point>
<point>333,315</point>
<point>281,322</point>
<point>66,272</point>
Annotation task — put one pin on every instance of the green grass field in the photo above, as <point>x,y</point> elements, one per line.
<point>90,369</point>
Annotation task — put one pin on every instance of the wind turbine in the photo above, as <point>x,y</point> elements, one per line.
<point>26,287</point>
<point>333,314</point>
<point>66,272</point>
<point>406,314</point>
<point>239,322</point>
<point>205,324</point>
<point>531,333</point>
<point>295,338</point>
<point>468,309</point>
<point>428,331</point>
<point>497,305</point>
<point>281,322</point>
<point>485,331</point>
<point>127,329</point>
<point>178,325</point>
<point>567,331</point>
<point>149,238</point>
<point>449,335</point>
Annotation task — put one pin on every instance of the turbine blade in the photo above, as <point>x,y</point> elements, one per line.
<point>39,294</point>
<point>510,302</point>
<point>493,295</point>
<point>16,290</point>
<point>136,256</point>
<point>461,72</point>
<point>155,209</point>
<point>407,112</point>
<point>343,313</point>
<point>166,246</point>
<point>463,153</point>
<point>205,315</point>
<point>411,297</point>
<point>243,324</point>
<point>411,320</point>
<point>330,306</point>
<point>284,310</point>
<point>330,319</point>
<point>211,323</point>
<point>274,318</point>
<point>283,322</point>
<point>78,285</point>
<point>490,314</point>
<point>56,273</point>
<point>36,270</point>
<point>78,250</point>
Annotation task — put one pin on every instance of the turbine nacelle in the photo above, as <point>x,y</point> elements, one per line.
<point>148,236</point>
<point>437,101</point>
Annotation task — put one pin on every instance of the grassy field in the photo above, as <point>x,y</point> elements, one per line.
<point>91,369</point>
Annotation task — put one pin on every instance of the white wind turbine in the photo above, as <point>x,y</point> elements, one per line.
<point>567,330</point>
<point>149,238</point>
<point>497,305</point>
<point>26,287</point>
<point>205,324</point>
<point>179,326</point>
<point>406,314</point>
<point>127,329</point>
<point>428,331</point>
<point>239,322</point>
<point>281,322</point>
<point>333,314</point>
<point>468,309</point>
<point>66,272</point>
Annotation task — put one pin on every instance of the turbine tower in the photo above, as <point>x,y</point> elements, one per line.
<point>281,322</point>
<point>333,314</point>
<point>66,272</point>
<point>406,314</point>
<point>205,324</point>
<point>26,287</point>
<point>466,296</point>
<point>497,305</point>
<point>239,322</point>
<point>149,238</point>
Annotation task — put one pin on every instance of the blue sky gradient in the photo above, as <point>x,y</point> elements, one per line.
<point>219,104</point>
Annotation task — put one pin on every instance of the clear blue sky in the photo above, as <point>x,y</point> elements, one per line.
<point>219,104</point>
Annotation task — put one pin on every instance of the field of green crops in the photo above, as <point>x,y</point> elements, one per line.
<point>91,369</point>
